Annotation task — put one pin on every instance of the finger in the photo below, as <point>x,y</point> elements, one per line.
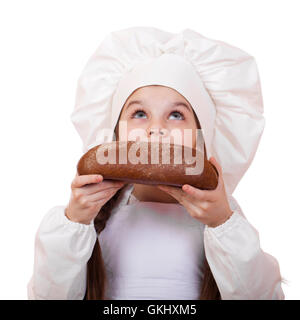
<point>168,188</point>
<point>217,165</point>
<point>203,195</point>
<point>82,180</point>
<point>186,200</point>
<point>94,188</point>
<point>220,172</point>
<point>112,183</point>
<point>195,209</point>
<point>175,192</point>
<point>102,195</point>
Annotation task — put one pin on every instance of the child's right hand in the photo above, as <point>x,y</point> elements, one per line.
<point>89,194</point>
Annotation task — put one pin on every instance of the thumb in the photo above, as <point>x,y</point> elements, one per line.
<point>216,164</point>
<point>213,161</point>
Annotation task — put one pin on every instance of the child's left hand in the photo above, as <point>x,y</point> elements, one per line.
<point>211,207</point>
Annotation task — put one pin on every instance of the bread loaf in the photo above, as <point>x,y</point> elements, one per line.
<point>150,163</point>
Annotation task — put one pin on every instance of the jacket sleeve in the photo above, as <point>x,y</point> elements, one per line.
<point>242,270</point>
<point>61,252</point>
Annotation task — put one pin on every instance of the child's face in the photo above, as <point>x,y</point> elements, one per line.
<point>156,111</point>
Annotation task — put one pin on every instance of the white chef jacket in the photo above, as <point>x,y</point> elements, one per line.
<point>152,250</point>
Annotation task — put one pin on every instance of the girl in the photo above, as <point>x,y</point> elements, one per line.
<point>132,241</point>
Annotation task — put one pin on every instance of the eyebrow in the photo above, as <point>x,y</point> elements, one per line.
<point>174,104</point>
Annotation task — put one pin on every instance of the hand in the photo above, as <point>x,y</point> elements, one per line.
<point>211,207</point>
<point>89,194</point>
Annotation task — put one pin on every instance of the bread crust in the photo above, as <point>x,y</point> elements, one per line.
<point>172,174</point>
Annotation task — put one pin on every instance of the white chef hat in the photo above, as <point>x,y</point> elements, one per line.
<point>220,81</point>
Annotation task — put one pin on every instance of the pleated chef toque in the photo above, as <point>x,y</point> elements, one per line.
<point>220,81</point>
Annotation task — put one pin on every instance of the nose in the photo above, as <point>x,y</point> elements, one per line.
<point>157,129</point>
<point>157,132</point>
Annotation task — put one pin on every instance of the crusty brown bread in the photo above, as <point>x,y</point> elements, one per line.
<point>173,174</point>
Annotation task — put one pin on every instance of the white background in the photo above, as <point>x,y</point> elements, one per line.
<point>44,45</point>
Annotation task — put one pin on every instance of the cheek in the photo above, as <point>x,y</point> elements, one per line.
<point>189,141</point>
<point>135,131</point>
<point>130,128</point>
<point>189,137</point>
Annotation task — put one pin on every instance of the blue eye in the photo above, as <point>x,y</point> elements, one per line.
<point>138,114</point>
<point>179,115</point>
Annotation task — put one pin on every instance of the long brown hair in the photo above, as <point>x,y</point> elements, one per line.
<point>96,277</point>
